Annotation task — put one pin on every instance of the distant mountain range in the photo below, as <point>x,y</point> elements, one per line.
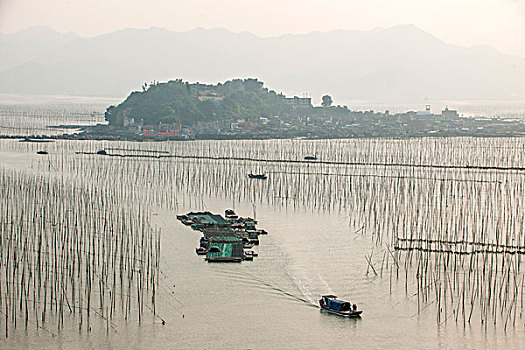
<point>401,62</point>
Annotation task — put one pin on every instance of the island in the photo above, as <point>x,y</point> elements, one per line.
<point>246,109</point>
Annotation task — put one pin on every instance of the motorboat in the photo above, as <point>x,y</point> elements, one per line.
<point>331,304</point>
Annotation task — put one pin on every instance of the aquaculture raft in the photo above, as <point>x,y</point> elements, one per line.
<point>224,240</point>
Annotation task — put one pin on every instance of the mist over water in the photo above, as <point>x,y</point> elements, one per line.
<point>326,221</point>
<point>512,109</point>
<point>32,116</point>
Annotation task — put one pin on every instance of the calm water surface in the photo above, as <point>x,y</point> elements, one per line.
<point>271,302</point>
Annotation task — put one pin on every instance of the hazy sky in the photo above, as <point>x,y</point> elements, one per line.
<point>497,23</point>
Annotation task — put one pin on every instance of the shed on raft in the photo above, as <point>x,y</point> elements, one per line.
<point>225,249</point>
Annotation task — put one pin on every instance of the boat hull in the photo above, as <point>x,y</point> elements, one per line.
<point>257,176</point>
<point>201,251</point>
<point>351,313</point>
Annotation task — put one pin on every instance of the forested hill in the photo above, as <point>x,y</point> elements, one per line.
<point>181,102</point>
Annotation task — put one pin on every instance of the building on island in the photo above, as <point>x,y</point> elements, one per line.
<point>299,102</point>
<point>449,113</point>
<point>207,95</point>
<point>425,112</point>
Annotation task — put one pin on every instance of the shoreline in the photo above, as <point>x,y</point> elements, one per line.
<point>139,138</point>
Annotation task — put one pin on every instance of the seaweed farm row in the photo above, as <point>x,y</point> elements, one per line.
<point>22,118</point>
<point>444,216</point>
<point>73,252</point>
<point>224,239</point>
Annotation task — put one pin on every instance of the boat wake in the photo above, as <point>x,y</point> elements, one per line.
<point>311,289</point>
<point>327,288</point>
<point>243,276</point>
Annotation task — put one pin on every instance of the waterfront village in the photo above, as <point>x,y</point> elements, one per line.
<point>333,122</point>
<point>245,109</point>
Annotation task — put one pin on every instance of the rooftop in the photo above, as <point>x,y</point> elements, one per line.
<point>208,218</point>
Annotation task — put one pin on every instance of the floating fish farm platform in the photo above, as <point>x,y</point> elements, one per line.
<point>224,239</point>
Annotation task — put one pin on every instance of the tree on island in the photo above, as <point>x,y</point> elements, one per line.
<point>179,102</point>
<point>327,101</point>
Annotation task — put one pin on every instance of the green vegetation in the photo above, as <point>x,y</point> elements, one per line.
<point>327,101</point>
<point>181,102</point>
